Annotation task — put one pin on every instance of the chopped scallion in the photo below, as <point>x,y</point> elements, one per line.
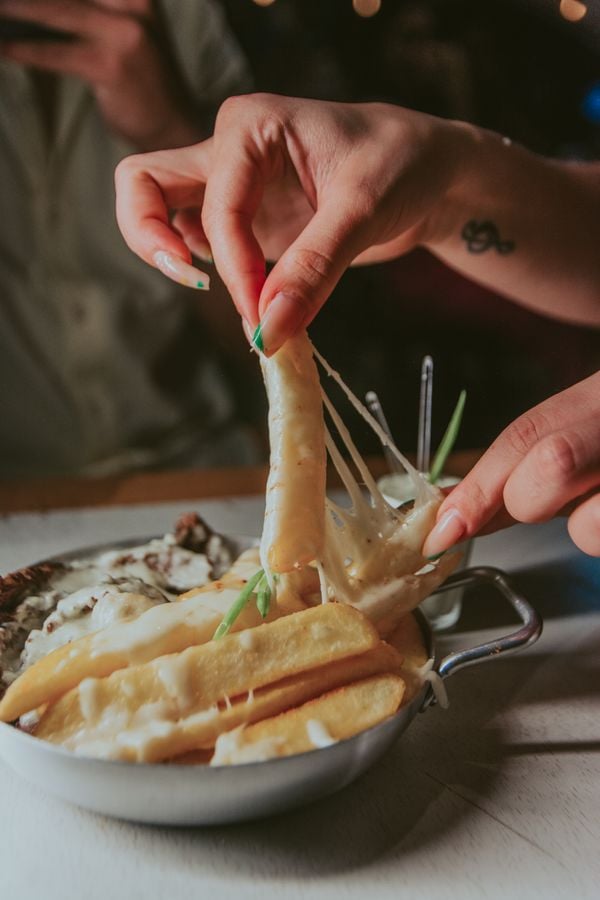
<point>263,601</point>
<point>448,441</point>
<point>238,604</point>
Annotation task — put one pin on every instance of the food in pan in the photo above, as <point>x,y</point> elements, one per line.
<point>173,649</point>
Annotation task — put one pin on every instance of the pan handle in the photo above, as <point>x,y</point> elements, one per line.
<point>527,634</point>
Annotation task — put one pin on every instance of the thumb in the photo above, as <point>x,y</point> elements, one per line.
<point>306,274</point>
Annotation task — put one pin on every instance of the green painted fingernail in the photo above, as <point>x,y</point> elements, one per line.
<point>435,557</point>
<point>257,338</point>
<point>199,284</point>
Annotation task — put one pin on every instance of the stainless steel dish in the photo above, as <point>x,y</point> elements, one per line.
<point>202,795</point>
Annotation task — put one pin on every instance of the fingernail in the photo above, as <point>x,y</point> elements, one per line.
<point>283,316</point>
<point>447,532</point>
<point>435,556</point>
<point>200,250</point>
<point>248,332</point>
<point>180,271</point>
<point>257,338</point>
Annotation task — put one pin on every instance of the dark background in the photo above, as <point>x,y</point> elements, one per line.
<point>516,68</point>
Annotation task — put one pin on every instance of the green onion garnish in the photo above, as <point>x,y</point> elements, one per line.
<point>448,441</point>
<point>238,605</point>
<point>263,600</point>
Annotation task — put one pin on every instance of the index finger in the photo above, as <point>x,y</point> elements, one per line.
<point>232,199</point>
<point>480,496</point>
<point>234,191</point>
<point>149,187</point>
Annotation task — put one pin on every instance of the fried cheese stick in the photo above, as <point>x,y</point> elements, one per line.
<point>294,526</point>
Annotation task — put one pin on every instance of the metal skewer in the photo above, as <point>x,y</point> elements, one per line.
<point>424,433</point>
<point>374,407</point>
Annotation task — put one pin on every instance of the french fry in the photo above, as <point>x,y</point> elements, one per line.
<point>337,715</point>
<point>192,758</point>
<point>197,733</point>
<point>164,629</point>
<point>407,638</point>
<point>189,683</point>
<point>294,526</point>
<point>290,692</point>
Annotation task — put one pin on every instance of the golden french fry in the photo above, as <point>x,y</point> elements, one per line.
<point>164,629</point>
<point>192,758</point>
<point>332,717</point>
<point>198,732</point>
<point>155,695</point>
<point>407,638</point>
<point>290,692</point>
<point>294,527</point>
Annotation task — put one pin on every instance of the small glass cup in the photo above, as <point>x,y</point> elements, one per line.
<point>442,610</point>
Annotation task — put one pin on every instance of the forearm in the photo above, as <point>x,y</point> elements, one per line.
<point>525,226</point>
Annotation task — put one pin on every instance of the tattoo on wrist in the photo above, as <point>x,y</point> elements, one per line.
<point>482,236</point>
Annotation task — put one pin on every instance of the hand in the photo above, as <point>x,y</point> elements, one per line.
<point>315,185</point>
<point>546,463</point>
<point>118,48</point>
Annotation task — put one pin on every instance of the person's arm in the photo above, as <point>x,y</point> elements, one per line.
<point>319,186</point>
<point>525,226</point>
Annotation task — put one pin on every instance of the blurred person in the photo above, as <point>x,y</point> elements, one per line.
<point>318,186</point>
<point>101,366</point>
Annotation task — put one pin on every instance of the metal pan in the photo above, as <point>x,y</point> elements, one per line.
<point>202,795</point>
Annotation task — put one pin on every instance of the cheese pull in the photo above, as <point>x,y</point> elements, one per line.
<point>148,700</point>
<point>294,526</point>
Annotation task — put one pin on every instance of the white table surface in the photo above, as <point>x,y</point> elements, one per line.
<point>497,797</point>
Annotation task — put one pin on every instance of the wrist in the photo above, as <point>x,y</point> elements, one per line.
<point>467,149</point>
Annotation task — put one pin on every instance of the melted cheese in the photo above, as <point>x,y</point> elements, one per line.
<point>318,734</point>
<point>426,673</point>
<point>86,611</point>
<point>230,749</point>
<point>88,698</point>
<point>174,672</point>
<point>372,552</point>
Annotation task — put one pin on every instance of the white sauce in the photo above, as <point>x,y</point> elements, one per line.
<point>158,570</point>
<point>318,734</point>
<point>247,638</point>
<point>88,610</point>
<point>173,671</point>
<point>230,749</point>
<point>426,673</point>
<point>167,566</point>
<point>88,699</point>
